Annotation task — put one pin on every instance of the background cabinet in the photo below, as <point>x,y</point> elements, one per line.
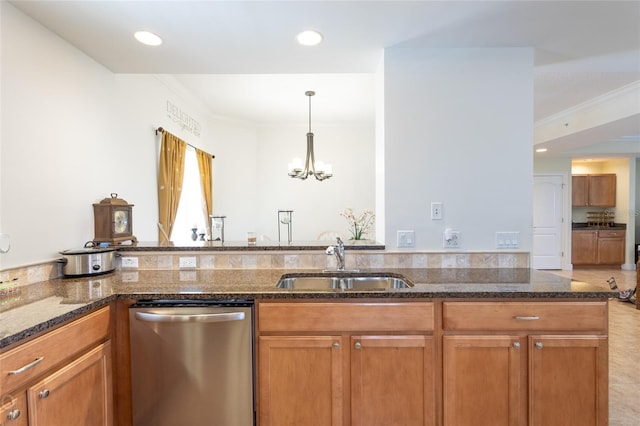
<point>597,247</point>
<point>593,190</point>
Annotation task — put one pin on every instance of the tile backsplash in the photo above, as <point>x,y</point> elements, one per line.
<point>148,260</point>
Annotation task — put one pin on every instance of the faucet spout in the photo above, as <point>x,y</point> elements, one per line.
<point>338,251</point>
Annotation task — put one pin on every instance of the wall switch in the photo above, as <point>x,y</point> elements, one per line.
<point>507,240</point>
<point>187,262</point>
<point>406,239</point>
<point>129,262</point>
<point>436,210</point>
<point>453,242</point>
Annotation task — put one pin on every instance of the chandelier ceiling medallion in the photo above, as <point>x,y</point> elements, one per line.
<point>320,170</point>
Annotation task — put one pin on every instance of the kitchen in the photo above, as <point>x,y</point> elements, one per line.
<point>99,129</point>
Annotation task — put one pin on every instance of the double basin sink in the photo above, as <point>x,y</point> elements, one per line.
<point>341,282</point>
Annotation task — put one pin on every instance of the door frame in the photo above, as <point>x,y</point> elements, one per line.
<point>565,233</point>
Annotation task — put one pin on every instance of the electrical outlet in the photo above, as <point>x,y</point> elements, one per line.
<point>129,262</point>
<point>406,239</point>
<point>452,243</point>
<point>187,262</point>
<point>436,210</point>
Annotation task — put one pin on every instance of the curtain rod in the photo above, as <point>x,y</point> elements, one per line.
<point>161,130</point>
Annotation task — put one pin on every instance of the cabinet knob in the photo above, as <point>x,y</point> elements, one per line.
<point>516,345</point>
<point>539,345</point>
<point>43,394</point>
<point>336,345</point>
<point>13,414</point>
<point>358,345</point>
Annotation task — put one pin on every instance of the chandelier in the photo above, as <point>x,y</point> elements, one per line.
<point>320,170</point>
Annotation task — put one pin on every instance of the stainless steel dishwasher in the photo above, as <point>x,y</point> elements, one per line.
<point>192,363</point>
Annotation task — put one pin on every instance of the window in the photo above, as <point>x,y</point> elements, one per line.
<point>190,213</point>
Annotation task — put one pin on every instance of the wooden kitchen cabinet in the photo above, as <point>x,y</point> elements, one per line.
<point>597,190</point>
<point>63,377</point>
<point>597,247</point>
<point>525,363</point>
<point>78,394</point>
<point>346,364</point>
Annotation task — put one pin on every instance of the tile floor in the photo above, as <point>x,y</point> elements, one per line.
<point>624,346</point>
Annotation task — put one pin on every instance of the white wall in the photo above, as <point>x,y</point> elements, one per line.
<point>316,204</point>
<point>458,129</point>
<point>73,132</point>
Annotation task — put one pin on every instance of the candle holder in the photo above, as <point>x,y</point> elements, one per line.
<point>285,217</point>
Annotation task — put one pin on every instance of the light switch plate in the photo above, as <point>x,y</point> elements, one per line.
<point>507,240</point>
<point>406,239</point>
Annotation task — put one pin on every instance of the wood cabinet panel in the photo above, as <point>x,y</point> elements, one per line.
<point>49,350</point>
<point>584,249</point>
<point>483,381</point>
<point>392,381</point>
<point>567,379</point>
<point>598,190</point>
<point>346,317</point>
<point>79,394</point>
<point>598,247</point>
<point>300,380</point>
<point>13,411</point>
<point>524,316</point>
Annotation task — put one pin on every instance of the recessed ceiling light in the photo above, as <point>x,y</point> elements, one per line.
<point>148,38</point>
<point>541,150</point>
<point>309,38</point>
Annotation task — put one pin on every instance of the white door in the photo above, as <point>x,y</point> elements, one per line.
<point>547,222</point>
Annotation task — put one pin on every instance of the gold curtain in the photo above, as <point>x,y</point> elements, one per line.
<point>170,175</point>
<point>205,168</point>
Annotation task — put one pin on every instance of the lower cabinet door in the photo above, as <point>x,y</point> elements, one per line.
<point>568,380</point>
<point>392,381</point>
<point>483,381</point>
<point>13,409</point>
<point>300,380</point>
<point>78,394</point>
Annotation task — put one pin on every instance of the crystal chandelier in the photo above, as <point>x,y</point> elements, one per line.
<point>320,170</point>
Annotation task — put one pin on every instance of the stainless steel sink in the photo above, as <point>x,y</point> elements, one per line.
<point>360,283</point>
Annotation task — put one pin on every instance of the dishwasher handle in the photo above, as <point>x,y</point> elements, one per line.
<point>221,317</point>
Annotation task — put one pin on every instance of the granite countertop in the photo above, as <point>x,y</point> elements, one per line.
<point>577,226</point>
<point>36,307</point>
<point>244,246</point>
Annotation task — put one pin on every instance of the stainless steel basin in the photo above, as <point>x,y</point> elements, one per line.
<point>341,283</point>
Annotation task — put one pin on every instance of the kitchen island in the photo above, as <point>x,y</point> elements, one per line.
<point>447,335</point>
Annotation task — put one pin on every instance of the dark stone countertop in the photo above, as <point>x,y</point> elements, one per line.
<point>214,246</point>
<point>37,307</point>
<point>584,226</point>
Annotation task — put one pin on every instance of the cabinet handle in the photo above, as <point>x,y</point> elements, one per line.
<point>336,345</point>
<point>531,318</point>
<point>539,345</point>
<point>43,394</point>
<point>26,367</point>
<point>12,415</point>
<point>358,345</point>
<point>516,345</point>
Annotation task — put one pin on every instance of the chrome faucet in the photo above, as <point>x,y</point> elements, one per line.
<point>338,250</point>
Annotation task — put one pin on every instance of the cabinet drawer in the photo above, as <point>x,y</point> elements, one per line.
<point>29,360</point>
<point>611,234</point>
<point>524,316</point>
<point>345,317</point>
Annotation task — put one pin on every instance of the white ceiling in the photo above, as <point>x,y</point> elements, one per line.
<point>241,59</point>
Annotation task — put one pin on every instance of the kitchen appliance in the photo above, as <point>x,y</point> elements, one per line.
<point>192,363</point>
<point>88,261</point>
